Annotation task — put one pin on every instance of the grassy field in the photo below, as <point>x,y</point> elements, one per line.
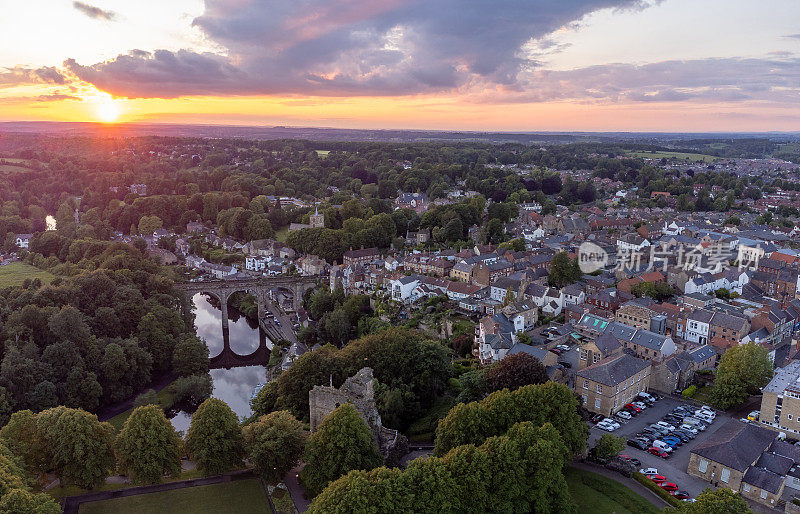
<point>14,274</point>
<point>596,493</point>
<point>281,234</point>
<point>283,501</point>
<point>423,429</point>
<point>230,498</point>
<point>683,156</point>
<point>165,399</point>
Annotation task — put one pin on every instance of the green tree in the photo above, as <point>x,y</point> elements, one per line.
<point>148,447</point>
<point>515,371</point>
<point>342,442</point>
<point>214,439</point>
<point>22,437</point>
<point>193,390</point>
<point>149,397</point>
<point>473,423</point>
<point>274,444</point>
<point>742,371</point>
<point>149,224</point>
<point>20,501</point>
<point>609,446</point>
<point>563,270</point>
<point>715,501</point>
<point>76,445</point>
<point>190,356</point>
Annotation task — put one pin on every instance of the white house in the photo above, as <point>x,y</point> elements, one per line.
<point>24,240</point>
<point>255,263</point>
<point>698,325</point>
<point>402,287</point>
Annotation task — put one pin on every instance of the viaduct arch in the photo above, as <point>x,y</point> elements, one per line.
<point>258,287</point>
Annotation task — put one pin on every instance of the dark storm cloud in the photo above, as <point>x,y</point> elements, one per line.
<point>346,47</point>
<point>94,12</point>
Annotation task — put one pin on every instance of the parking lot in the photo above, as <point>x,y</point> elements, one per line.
<point>673,468</point>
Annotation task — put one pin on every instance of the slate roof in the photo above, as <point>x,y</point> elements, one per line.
<point>763,479</point>
<point>534,351</point>
<point>607,343</point>
<point>614,370</point>
<point>735,445</point>
<point>701,353</point>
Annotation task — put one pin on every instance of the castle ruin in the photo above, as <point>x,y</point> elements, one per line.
<point>358,391</point>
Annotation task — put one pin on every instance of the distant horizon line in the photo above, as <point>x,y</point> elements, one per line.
<point>323,127</point>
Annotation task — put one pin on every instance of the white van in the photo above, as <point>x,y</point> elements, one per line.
<point>661,445</point>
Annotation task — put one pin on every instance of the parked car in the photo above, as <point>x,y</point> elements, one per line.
<point>665,425</point>
<point>565,364</point>
<point>681,495</point>
<point>753,416</point>
<point>688,428</point>
<point>597,418</point>
<point>633,407</point>
<point>668,486</point>
<point>649,471</point>
<point>638,443</point>
<point>641,405</point>
<point>658,451</point>
<point>655,477</point>
<point>606,426</point>
<point>672,419</point>
<point>624,414</point>
<point>658,443</point>
<point>680,434</point>
<point>672,441</point>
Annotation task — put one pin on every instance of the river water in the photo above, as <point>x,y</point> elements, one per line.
<point>233,386</point>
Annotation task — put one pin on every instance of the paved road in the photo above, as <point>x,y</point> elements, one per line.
<point>285,329</point>
<point>674,468</point>
<point>296,490</point>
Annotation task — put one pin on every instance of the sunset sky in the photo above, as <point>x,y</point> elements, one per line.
<point>595,65</point>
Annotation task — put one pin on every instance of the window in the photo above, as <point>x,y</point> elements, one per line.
<point>789,416</point>
<point>726,475</point>
<point>599,389</point>
<point>586,384</point>
<point>615,402</point>
<point>597,403</point>
<point>618,392</point>
<point>703,466</point>
<point>583,355</point>
<point>595,357</point>
<point>747,488</point>
<point>764,494</point>
<point>585,399</point>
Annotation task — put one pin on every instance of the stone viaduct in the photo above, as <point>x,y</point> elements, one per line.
<point>259,287</point>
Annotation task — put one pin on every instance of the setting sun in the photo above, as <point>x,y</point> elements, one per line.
<point>107,111</point>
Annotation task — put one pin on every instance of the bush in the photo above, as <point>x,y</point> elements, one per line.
<point>689,391</point>
<point>654,487</point>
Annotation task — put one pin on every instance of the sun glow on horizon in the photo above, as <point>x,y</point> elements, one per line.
<point>108,110</point>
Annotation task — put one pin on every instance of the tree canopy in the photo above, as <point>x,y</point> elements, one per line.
<point>214,439</point>
<point>148,447</point>
<point>274,444</point>
<point>342,442</point>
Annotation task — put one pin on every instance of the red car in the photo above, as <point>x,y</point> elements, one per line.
<point>658,451</point>
<point>681,495</point>
<point>668,486</point>
<point>633,407</point>
<point>657,478</point>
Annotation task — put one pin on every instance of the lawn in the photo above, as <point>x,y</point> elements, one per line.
<point>282,501</point>
<point>281,234</point>
<point>231,497</point>
<point>14,274</point>
<point>683,156</point>
<point>596,493</point>
<point>165,399</point>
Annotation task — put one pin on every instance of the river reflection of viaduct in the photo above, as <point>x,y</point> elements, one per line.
<point>259,288</point>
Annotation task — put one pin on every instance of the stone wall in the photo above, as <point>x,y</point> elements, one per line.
<point>358,391</point>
